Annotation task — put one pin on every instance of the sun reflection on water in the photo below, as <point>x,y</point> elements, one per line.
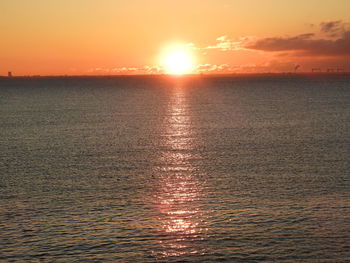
<point>179,192</point>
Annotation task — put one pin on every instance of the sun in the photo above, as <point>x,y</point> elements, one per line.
<point>177,61</point>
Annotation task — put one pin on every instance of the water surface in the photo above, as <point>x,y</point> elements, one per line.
<point>160,169</point>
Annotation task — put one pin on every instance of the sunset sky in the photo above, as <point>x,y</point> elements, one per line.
<point>78,37</point>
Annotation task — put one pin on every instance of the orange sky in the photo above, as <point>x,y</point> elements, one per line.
<point>126,36</point>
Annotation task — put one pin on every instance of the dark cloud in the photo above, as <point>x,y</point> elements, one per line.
<point>306,44</point>
<point>333,28</point>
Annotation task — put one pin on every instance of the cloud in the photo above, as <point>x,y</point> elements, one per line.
<point>306,44</point>
<point>137,70</point>
<point>225,44</point>
<point>333,28</point>
<point>126,70</point>
<point>211,68</point>
<point>332,39</point>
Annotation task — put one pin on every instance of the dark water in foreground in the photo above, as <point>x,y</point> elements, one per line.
<point>157,169</point>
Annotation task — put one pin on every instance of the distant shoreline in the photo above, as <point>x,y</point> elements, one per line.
<point>347,73</point>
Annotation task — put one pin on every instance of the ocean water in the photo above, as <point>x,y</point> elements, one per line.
<point>166,169</point>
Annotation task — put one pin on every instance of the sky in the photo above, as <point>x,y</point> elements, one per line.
<point>102,37</point>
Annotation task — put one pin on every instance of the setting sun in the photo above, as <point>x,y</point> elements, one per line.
<point>177,61</point>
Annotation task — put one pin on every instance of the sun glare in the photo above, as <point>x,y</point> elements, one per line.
<point>177,61</point>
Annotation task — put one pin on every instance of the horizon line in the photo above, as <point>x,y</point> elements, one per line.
<point>178,76</point>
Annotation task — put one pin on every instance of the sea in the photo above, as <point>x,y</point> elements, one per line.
<point>240,168</point>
